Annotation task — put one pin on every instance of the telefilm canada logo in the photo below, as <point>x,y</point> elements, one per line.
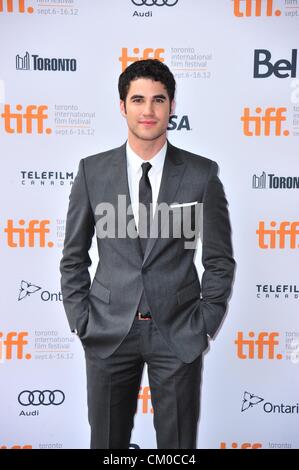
<point>45,64</point>
<point>250,400</point>
<point>45,178</point>
<point>275,291</point>
<point>273,181</point>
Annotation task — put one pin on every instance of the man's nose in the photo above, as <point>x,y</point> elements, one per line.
<point>148,108</point>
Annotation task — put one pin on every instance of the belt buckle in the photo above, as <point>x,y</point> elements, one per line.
<point>140,317</point>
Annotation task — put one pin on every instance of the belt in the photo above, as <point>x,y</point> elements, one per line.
<point>143,316</point>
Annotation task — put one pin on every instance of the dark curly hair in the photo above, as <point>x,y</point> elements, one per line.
<point>150,68</point>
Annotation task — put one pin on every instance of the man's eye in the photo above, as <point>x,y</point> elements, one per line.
<point>137,100</point>
<point>159,100</point>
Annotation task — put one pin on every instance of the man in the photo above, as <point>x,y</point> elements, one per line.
<point>145,304</point>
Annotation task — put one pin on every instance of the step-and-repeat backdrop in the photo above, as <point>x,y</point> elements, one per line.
<point>236,66</point>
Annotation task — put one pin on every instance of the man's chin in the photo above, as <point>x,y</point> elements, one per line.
<point>148,137</point>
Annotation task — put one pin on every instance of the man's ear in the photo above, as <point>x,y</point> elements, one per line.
<point>122,106</point>
<point>172,107</point>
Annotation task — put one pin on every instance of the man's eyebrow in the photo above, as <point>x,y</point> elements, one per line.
<point>136,96</point>
<point>161,96</point>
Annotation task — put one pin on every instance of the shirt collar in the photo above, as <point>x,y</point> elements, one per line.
<point>134,161</point>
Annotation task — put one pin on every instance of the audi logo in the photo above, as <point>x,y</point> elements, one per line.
<point>37,397</point>
<point>158,3</point>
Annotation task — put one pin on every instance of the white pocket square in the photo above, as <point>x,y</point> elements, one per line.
<point>185,204</point>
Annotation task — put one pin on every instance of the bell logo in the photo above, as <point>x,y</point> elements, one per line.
<point>20,123</point>
<point>267,122</point>
<point>245,445</point>
<point>145,396</point>
<point>148,53</point>
<point>254,8</point>
<point>13,346</point>
<point>280,68</point>
<point>261,348</point>
<point>34,235</point>
<point>14,6</point>
<point>276,237</point>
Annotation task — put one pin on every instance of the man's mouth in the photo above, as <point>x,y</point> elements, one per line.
<point>148,123</point>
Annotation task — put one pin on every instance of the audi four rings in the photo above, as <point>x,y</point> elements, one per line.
<point>38,397</point>
<point>158,3</point>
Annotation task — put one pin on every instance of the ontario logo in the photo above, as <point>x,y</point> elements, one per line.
<point>250,400</point>
<point>27,289</point>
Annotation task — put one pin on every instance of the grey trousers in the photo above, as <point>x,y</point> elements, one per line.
<point>113,386</point>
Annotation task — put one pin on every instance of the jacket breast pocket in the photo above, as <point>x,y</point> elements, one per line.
<point>185,220</point>
<point>101,292</point>
<point>189,292</point>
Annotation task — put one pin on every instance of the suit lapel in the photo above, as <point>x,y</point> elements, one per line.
<point>118,185</point>
<point>173,170</point>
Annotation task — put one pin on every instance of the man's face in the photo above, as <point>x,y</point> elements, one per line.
<point>147,109</point>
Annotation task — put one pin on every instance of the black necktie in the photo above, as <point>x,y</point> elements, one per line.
<point>145,198</point>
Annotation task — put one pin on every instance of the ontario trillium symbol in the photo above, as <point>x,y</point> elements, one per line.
<point>249,400</point>
<point>26,289</point>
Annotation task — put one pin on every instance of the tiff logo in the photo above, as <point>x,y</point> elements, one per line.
<point>31,236</point>
<point>276,238</point>
<point>12,6</point>
<point>254,8</point>
<point>17,446</point>
<point>148,53</point>
<point>145,397</point>
<point>245,445</point>
<point>22,122</point>
<point>268,123</point>
<point>261,348</point>
<point>13,345</point>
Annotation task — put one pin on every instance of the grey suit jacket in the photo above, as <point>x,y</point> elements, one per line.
<point>183,310</point>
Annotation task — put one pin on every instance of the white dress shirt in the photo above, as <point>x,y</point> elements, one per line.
<point>134,163</point>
